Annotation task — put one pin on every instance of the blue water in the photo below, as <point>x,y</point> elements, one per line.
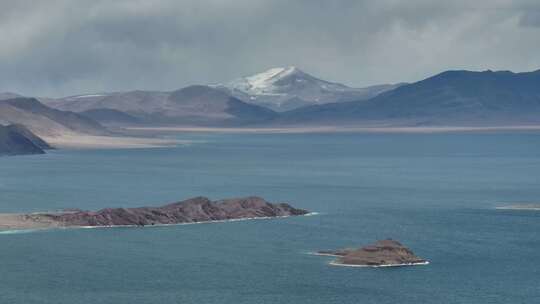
<point>434,192</point>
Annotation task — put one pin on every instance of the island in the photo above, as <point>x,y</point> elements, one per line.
<point>528,207</point>
<point>194,210</point>
<point>384,253</point>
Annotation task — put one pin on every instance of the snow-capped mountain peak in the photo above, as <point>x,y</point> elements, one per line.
<point>286,88</point>
<point>264,82</point>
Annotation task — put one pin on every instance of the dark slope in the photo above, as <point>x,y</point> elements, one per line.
<point>205,105</point>
<point>24,131</point>
<point>246,113</point>
<point>14,142</point>
<point>453,97</point>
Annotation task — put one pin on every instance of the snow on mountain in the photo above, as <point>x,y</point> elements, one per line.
<point>89,95</point>
<point>261,82</point>
<point>280,81</point>
<point>287,88</point>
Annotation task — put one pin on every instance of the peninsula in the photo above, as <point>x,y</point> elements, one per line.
<point>194,210</point>
<point>383,253</point>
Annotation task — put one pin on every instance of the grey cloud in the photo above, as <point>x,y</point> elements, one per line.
<point>66,47</point>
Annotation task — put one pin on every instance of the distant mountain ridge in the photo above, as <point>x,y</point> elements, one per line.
<point>192,105</point>
<point>245,100</point>
<point>449,98</point>
<point>45,121</point>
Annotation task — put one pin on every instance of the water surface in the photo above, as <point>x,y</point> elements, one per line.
<point>434,192</point>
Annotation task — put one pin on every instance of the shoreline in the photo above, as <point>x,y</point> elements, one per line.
<point>334,263</point>
<point>146,137</point>
<point>77,141</point>
<point>338,129</point>
<point>42,228</point>
<point>518,208</point>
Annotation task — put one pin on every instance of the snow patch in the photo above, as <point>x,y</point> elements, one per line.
<point>262,83</point>
<point>89,95</point>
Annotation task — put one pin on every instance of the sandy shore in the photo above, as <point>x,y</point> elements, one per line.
<point>378,266</point>
<point>111,142</point>
<point>15,221</point>
<point>332,129</point>
<point>335,263</point>
<point>80,141</point>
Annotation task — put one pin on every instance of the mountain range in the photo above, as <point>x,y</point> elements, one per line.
<point>247,100</point>
<point>451,98</point>
<point>192,105</point>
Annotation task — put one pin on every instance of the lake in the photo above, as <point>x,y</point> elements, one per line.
<point>436,193</point>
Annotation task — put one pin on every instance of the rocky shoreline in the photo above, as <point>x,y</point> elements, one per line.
<point>195,210</point>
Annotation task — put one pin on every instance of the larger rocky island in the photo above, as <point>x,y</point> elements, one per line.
<point>383,253</point>
<point>195,210</point>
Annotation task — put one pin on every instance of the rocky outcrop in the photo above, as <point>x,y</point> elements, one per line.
<point>199,209</point>
<point>381,253</point>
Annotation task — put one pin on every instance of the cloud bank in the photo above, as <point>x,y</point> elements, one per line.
<point>58,48</point>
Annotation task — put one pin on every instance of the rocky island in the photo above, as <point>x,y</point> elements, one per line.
<point>194,210</point>
<point>383,253</point>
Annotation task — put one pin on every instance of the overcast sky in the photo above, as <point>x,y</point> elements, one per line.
<point>57,48</point>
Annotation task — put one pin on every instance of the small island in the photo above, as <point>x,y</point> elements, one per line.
<point>194,210</point>
<point>528,207</point>
<point>385,253</point>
